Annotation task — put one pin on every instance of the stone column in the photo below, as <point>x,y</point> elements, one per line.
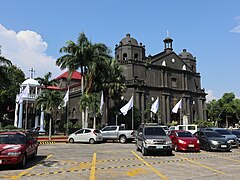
<point>36,121</point>
<point>183,81</point>
<point>42,121</point>
<point>142,104</point>
<point>20,118</point>
<point>163,109</point>
<point>168,110</point>
<point>16,116</point>
<point>161,79</point>
<point>165,79</point>
<point>186,83</point>
<point>200,109</point>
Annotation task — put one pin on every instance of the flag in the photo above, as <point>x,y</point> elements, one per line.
<point>177,106</point>
<point>128,106</point>
<point>155,106</point>
<point>101,102</point>
<point>66,98</point>
<point>23,94</point>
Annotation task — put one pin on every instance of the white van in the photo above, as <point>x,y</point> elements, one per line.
<point>191,128</point>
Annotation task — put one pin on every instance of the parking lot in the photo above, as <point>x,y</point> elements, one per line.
<point>122,161</point>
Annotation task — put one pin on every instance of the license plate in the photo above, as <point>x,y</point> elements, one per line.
<point>223,146</point>
<point>159,147</point>
<point>191,145</point>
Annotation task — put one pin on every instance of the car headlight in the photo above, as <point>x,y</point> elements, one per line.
<point>230,141</point>
<point>148,141</point>
<point>181,141</point>
<point>214,142</point>
<point>169,142</point>
<point>14,153</point>
<point>198,142</point>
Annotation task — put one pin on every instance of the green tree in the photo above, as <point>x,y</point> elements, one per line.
<point>3,60</point>
<point>10,83</point>
<point>91,102</point>
<point>45,81</point>
<point>49,101</point>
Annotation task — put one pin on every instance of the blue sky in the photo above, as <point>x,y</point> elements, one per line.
<point>32,32</point>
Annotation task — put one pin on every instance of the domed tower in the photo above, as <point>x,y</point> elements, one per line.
<point>188,59</point>
<point>128,49</point>
<point>25,116</point>
<point>168,43</point>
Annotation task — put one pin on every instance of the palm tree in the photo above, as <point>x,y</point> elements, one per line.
<point>111,81</point>
<point>83,55</point>
<point>49,101</point>
<point>46,80</point>
<point>3,60</point>
<point>91,102</point>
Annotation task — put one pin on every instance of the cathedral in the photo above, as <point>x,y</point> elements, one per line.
<point>169,76</point>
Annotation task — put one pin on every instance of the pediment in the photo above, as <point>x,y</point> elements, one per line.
<point>171,60</point>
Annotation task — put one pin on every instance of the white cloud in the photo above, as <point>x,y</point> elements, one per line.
<point>26,49</point>
<point>210,95</point>
<point>237,28</point>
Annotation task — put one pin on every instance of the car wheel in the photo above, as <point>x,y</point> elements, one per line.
<point>176,148</point>
<point>207,147</point>
<point>144,151</point>
<point>34,156</point>
<point>122,139</point>
<point>71,140</point>
<point>91,141</point>
<point>169,153</point>
<point>23,162</point>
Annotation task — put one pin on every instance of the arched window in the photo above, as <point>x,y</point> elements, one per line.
<point>124,56</point>
<point>174,82</point>
<point>136,56</point>
<point>74,113</point>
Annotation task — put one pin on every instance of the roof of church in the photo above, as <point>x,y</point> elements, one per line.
<point>129,40</point>
<point>31,82</point>
<point>75,75</point>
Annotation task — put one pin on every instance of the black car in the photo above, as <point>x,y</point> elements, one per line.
<point>153,139</point>
<point>211,140</point>
<point>237,133</point>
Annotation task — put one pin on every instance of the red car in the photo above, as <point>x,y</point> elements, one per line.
<point>16,147</point>
<point>184,141</point>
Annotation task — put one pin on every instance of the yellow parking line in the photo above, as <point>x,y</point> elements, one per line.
<point>207,167</point>
<point>152,168</point>
<point>27,170</point>
<point>92,175</point>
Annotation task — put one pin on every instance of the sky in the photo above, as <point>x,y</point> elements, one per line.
<point>32,33</point>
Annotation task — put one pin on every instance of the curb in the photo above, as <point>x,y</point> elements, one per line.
<point>46,142</point>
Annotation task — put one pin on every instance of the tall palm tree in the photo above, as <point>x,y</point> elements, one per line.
<point>49,101</point>
<point>83,55</point>
<point>45,81</point>
<point>3,60</point>
<point>91,102</point>
<point>111,81</point>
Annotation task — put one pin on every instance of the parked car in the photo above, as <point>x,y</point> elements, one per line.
<point>86,135</point>
<point>184,141</point>
<point>190,127</point>
<point>16,147</point>
<point>117,133</point>
<point>232,138</point>
<point>237,133</point>
<point>166,129</point>
<point>211,140</point>
<point>153,139</point>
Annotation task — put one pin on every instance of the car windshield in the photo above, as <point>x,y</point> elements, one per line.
<point>223,131</point>
<point>184,134</point>
<point>154,131</point>
<point>236,132</point>
<point>12,139</point>
<point>212,134</point>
